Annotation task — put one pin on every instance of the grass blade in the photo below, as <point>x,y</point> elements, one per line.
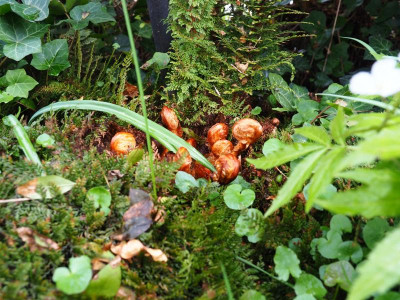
<point>171,141</point>
<point>227,283</point>
<point>141,94</point>
<point>23,139</point>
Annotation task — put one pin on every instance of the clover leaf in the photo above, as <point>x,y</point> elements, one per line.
<point>76,278</point>
<point>101,198</point>
<point>54,57</point>
<point>236,198</point>
<point>286,262</point>
<point>184,181</point>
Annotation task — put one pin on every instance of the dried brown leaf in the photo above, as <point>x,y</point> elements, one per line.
<point>36,241</point>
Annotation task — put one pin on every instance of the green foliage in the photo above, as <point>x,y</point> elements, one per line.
<point>101,197</point>
<point>54,57</point>
<point>385,255</point>
<point>236,198</point>
<point>45,140</point>
<point>185,181</point>
<point>76,278</point>
<point>220,55</point>
<point>286,262</point>
<point>106,283</point>
<point>17,83</point>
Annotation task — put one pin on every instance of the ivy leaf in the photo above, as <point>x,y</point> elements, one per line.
<point>184,181</point>
<point>315,133</point>
<point>93,12</point>
<point>309,284</point>
<point>75,279</point>
<point>101,197</point>
<point>295,181</point>
<point>236,198</point>
<point>381,271</point>
<point>5,98</point>
<point>341,273</point>
<point>374,231</point>
<point>107,282</point>
<point>19,84</point>
<point>41,5</point>
<point>286,262</point>
<point>25,11</point>
<point>54,57</point>
<point>21,37</point>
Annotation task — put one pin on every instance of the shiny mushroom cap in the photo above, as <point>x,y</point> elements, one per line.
<point>182,156</point>
<point>228,166</point>
<point>123,143</point>
<point>170,120</point>
<point>217,132</point>
<point>222,147</point>
<point>247,131</point>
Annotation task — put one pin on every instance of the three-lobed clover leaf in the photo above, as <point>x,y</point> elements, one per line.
<point>20,36</point>
<point>76,278</point>
<point>101,198</point>
<point>54,57</point>
<point>18,83</point>
<point>237,198</point>
<point>286,262</point>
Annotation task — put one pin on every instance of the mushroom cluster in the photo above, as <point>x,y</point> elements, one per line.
<point>224,155</point>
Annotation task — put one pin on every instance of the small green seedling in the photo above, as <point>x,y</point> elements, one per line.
<point>237,198</point>
<point>101,198</point>
<point>76,278</point>
<point>45,140</point>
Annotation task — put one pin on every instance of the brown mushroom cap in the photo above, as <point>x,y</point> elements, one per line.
<point>191,142</point>
<point>222,147</point>
<point>217,132</point>
<point>227,166</point>
<point>183,156</point>
<point>247,131</point>
<point>169,118</point>
<point>123,143</point>
<point>200,171</point>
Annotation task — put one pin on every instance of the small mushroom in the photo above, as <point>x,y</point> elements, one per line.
<point>200,171</point>
<point>170,120</point>
<point>123,143</point>
<point>247,132</point>
<point>227,166</point>
<point>192,142</point>
<point>217,132</point>
<point>182,156</point>
<point>222,147</point>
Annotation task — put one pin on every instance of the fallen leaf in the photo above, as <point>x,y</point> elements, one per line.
<point>132,248</point>
<point>36,241</point>
<point>47,183</point>
<point>137,219</point>
<point>157,254</point>
<point>242,67</point>
<point>130,90</point>
<point>125,293</point>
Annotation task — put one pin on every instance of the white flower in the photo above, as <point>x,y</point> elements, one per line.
<point>384,79</point>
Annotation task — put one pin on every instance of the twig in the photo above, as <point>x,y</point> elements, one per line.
<point>332,34</point>
<point>320,114</point>
<point>14,200</point>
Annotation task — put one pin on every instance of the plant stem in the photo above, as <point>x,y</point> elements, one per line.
<point>227,283</point>
<point>141,94</point>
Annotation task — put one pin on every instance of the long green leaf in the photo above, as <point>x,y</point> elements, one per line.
<point>164,136</point>
<point>23,139</point>
<point>315,133</point>
<point>338,127</point>
<point>284,155</point>
<point>324,173</point>
<point>295,181</point>
<point>368,101</point>
<point>381,271</point>
<point>371,50</point>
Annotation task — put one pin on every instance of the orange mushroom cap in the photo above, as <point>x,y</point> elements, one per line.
<point>228,166</point>
<point>217,132</point>
<point>123,143</point>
